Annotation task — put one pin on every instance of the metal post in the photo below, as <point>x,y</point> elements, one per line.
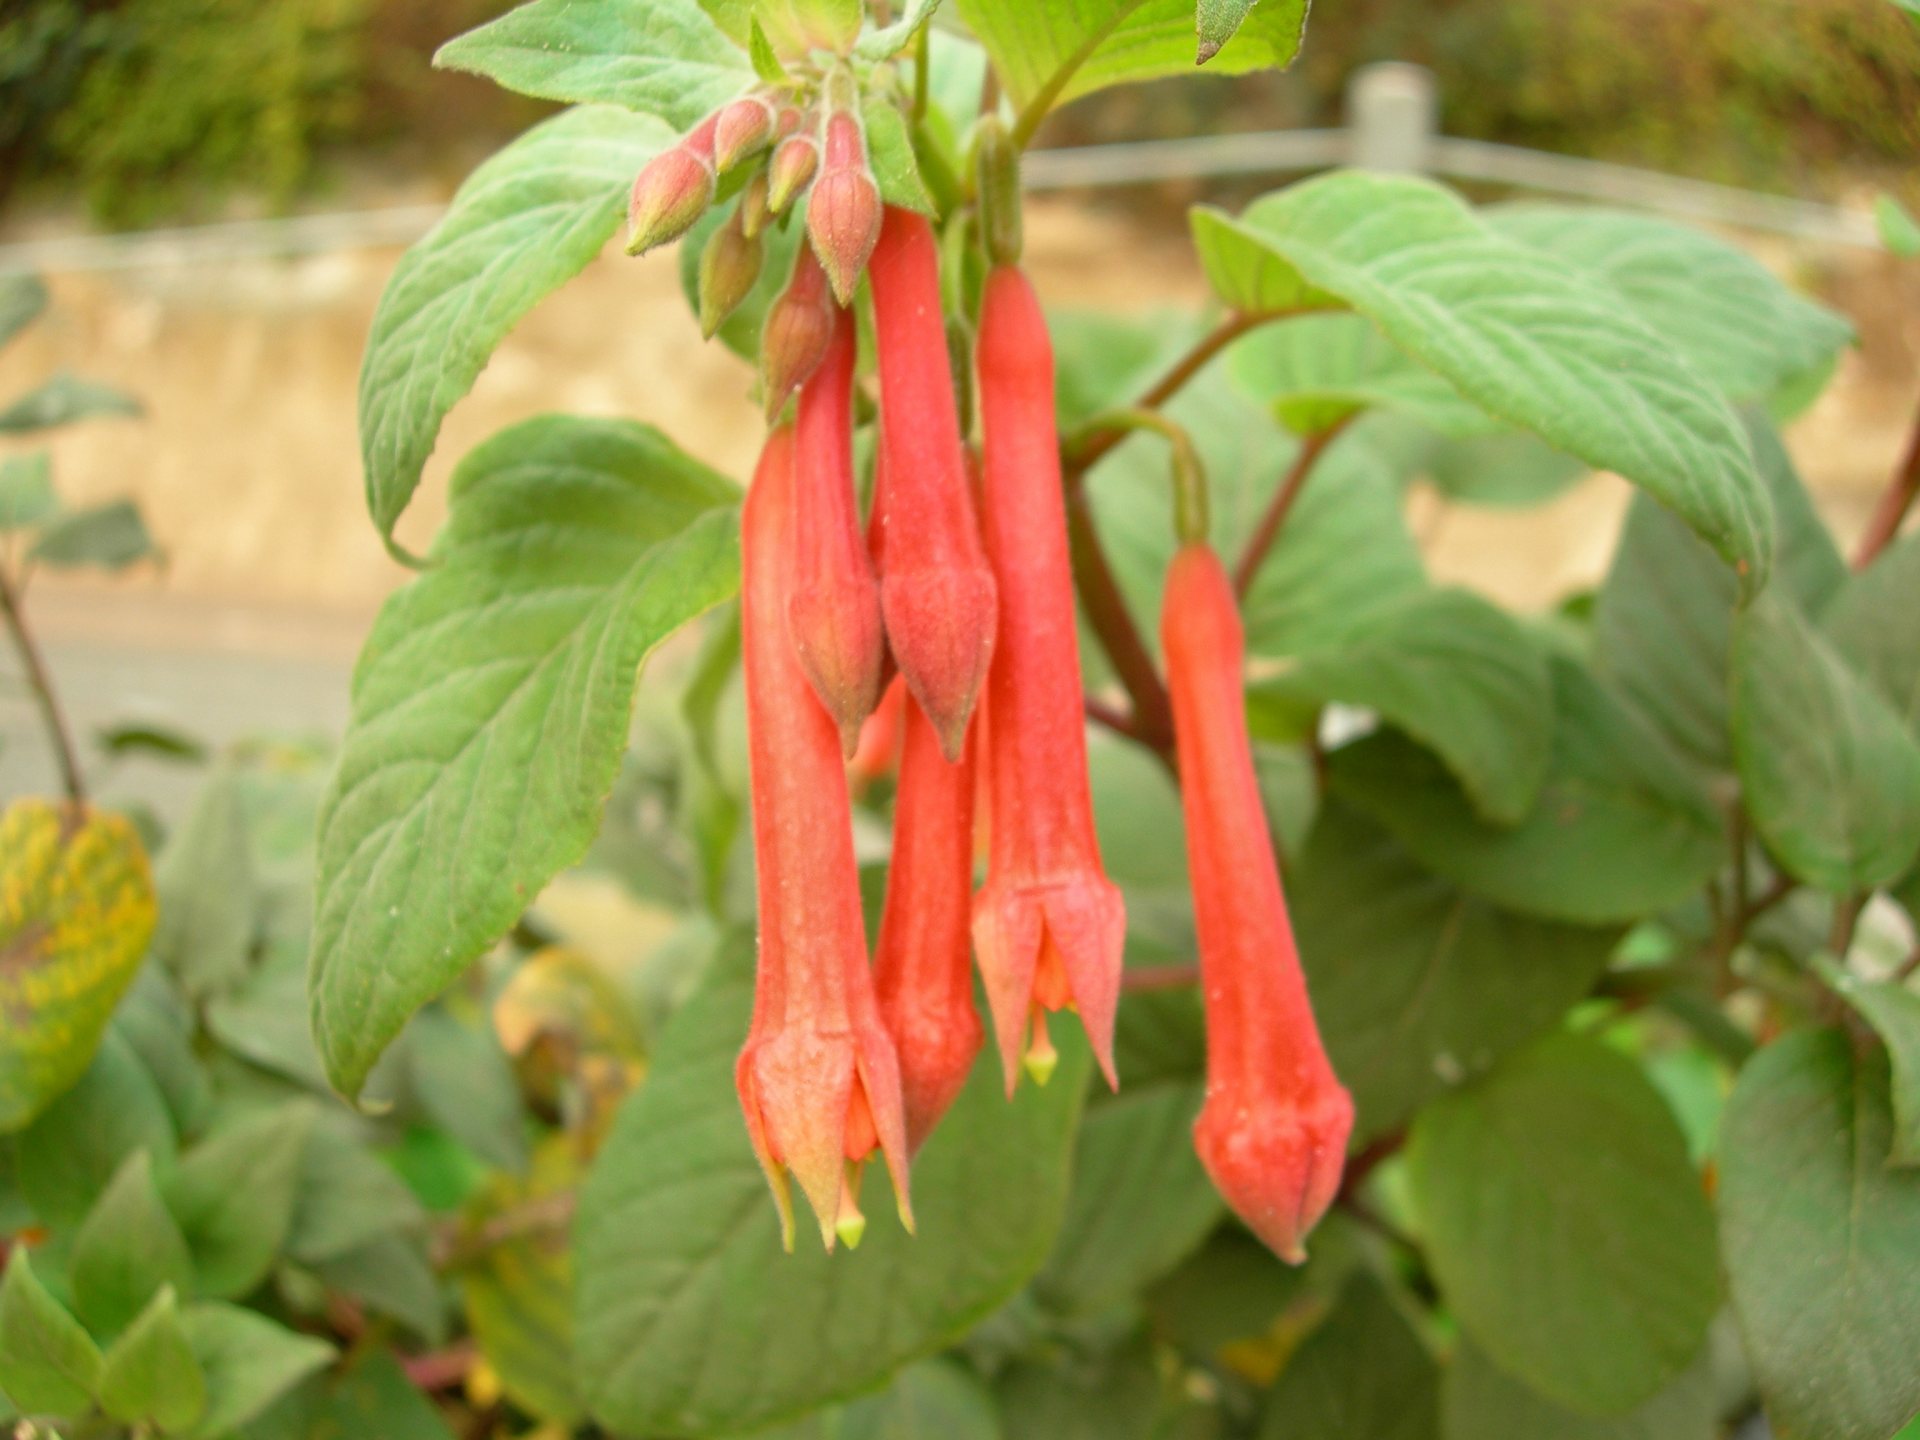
<point>1393,111</point>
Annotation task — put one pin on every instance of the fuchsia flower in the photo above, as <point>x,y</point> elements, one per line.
<point>833,614</point>
<point>1273,1130</point>
<point>818,1078</point>
<point>1049,926</point>
<point>795,335</point>
<point>937,593</point>
<point>843,211</point>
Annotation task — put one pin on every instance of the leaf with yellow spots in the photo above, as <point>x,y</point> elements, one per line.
<point>76,912</point>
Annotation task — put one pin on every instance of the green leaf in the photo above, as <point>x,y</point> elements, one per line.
<point>519,1297</point>
<point>391,1275</point>
<point>128,1249</point>
<point>151,1375</point>
<point>233,1195</point>
<point>1566,1225</point>
<point>157,742</point>
<point>249,1362</point>
<point>76,908</point>
<point>527,220</point>
<point>664,58</point>
<point>890,153</point>
<point>889,40</point>
<point>1480,1401</point>
<point>207,900</point>
<point>1216,21</point>
<point>462,1079</point>
<point>159,1028</point>
<point>1526,336</point>
<point>491,706</point>
<point>1364,1374</point>
<point>1619,828</point>
<point>63,400</point>
<point>1317,371</point>
<point>1725,313</point>
<point>1819,1240</point>
<point>1401,964</point>
<point>49,1365</point>
<point>22,299</point>
<point>26,491</point>
<point>740,331</point>
<point>111,536</point>
<point>1459,675</point>
<point>690,1320</point>
<point>1140,1201</point>
<point>1113,1396</point>
<point>67,1156</point>
<point>1048,52</point>
<point>1893,1011</point>
<point>345,1197</point>
<point>1871,626</point>
<point>376,1398</point>
<point>1899,231</point>
<point>1830,774</point>
<point>1663,625</point>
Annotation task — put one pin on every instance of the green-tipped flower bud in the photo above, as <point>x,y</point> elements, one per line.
<point>672,192</point>
<point>729,266</point>
<point>791,171</point>
<point>754,211</point>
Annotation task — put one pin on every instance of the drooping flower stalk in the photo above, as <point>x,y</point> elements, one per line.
<point>922,965</point>
<point>1273,1130</point>
<point>1048,925</point>
<point>818,1078</point>
<point>833,614</point>
<point>937,592</point>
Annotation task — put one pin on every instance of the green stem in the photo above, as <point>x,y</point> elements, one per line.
<point>41,683</point>
<point>1189,472</point>
<point>1281,506</point>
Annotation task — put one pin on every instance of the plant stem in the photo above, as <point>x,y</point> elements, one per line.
<point>1894,503</point>
<point>1281,506</point>
<point>41,684</point>
<point>543,1215</point>
<point>1141,979</point>
<point>1846,915</point>
<point>1152,721</point>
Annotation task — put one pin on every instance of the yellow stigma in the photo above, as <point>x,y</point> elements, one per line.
<point>1041,1059</point>
<point>849,1224</point>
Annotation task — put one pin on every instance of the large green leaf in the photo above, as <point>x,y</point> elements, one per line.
<point>1480,1401</point>
<point>1830,773</point>
<point>346,1197</point>
<point>1566,1225</point>
<point>664,58</point>
<point>690,1320</point>
<point>49,1365</point>
<point>1365,1374</point>
<point>67,1156</point>
<point>1528,337</point>
<point>1725,312</point>
<point>1402,965</point>
<point>491,706</point>
<point>1054,51</point>
<point>128,1249</point>
<point>1112,1394</point>
<point>1871,623</point>
<point>1140,1201</point>
<point>76,908</point>
<point>233,1195</point>
<point>931,1400</point>
<point>1458,674</point>
<point>1619,828</point>
<point>1663,625</point>
<point>528,219</point>
<point>1822,1240</point>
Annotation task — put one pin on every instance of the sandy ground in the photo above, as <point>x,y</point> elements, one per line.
<point>247,464</point>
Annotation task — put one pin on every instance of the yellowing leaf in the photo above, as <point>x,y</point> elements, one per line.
<point>76,912</point>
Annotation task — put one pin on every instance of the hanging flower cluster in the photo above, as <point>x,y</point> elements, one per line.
<point>939,635</point>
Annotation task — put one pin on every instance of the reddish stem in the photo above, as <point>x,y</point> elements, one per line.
<point>1281,506</point>
<point>1894,503</point>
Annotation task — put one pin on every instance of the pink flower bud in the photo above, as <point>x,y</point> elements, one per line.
<point>1273,1130</point>
<point>843,212</point>
<point>794,336</point>
<point>791,171</point>
<point>744,126</point>
<point>672,192</point>
<point>818,1079</point>
<point>833,615</point>
<point>1049,926</point>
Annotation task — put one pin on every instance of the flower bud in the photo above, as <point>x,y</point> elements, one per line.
<point>672,191</point>
<point>936,590</point>
<point>753,205</point>
<point>833,615</point>
<point>743,127</point>
<point>818,1079</point>
<point>794,336</point>
<point>729,268</point>
<point>1274,1127</point>
<point>1048,925</point>
<point>922,965</point>
<point>843,212</point>
<point>791,171</point>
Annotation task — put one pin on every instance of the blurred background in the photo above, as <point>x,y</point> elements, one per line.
<point>152,119</point>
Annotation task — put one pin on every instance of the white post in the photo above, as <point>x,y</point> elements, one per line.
<point>1393,113</point>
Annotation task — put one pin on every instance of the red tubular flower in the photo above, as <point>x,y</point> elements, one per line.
<point>843,212</point>
<point>833,615</point>
<point>1273,1131</point>
<point>922,965</point>
<point>795,335</point>
<point>818,1079</point>
<point>1049,926</point>
<point>882,738</point>
<point>936,590</point>
<point>673,190</point>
